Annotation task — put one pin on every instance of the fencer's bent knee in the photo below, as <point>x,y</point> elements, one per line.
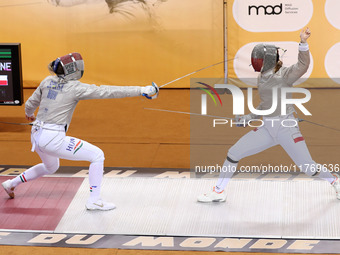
<point>98,156</point>
<point>52,167</point>
<point>231,160</point>
<point>233,155</point>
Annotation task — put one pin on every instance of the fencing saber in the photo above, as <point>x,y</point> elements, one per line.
<point>188,113</point>
<point>320,125</point>
<point>180,78</point>
<point>13,123</point>
<point>213,116</point>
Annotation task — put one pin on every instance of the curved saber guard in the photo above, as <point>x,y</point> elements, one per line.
<point>154,95</point>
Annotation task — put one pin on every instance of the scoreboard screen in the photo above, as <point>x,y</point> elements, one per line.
<point>11,87</point>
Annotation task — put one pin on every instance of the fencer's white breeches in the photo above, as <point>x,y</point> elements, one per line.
<point>51,144</point>
<point>271,134</point>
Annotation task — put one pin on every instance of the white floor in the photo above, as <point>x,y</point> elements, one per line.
<point>254,208</point>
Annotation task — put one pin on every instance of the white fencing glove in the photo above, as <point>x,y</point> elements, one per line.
<point>150,92</point>
<point>242,121</point>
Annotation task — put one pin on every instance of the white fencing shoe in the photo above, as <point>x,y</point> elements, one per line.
<point>336,185</point>
<point>99,205</point>
<point>7,185</point>
<point>212,196</point>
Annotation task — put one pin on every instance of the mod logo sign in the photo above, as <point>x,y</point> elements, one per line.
<point>266,10</point>
<point>272,16</point>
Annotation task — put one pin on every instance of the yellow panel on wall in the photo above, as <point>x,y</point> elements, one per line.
<point>122,42</point>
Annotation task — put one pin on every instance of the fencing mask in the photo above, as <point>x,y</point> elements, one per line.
<point>264,57</point>
<point>72,64</point>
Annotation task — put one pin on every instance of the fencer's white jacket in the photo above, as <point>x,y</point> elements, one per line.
<point>285,77</point>
<point>57,100</point>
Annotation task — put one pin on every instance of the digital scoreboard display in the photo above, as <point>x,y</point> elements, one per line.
<point>11,87</point>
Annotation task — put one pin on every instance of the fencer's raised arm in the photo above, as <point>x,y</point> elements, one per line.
<point>294,72</point>
<point>304,35</point>
<point>67,3</point>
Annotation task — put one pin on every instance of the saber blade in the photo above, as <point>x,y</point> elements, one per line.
<point>188,113</point>
<point>320,125</point>
<point>180,78</point>
<point>12,123</point>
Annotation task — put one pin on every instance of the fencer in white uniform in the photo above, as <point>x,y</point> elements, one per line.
<point>57,97</point>
<point>265,59</point>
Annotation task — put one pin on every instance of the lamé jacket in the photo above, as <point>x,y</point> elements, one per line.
<point>57,98</point>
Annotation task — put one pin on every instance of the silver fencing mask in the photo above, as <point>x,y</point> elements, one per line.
<point>264,57</point>
<point>73,66</point>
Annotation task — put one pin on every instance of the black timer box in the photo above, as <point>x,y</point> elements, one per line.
<point>11,87</point>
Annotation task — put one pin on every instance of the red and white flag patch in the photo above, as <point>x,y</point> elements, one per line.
<point>3,80</point>
<point>297,137</point>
